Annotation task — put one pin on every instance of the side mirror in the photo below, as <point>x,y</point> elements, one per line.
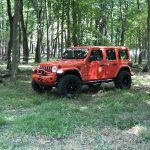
<point>91,58</point>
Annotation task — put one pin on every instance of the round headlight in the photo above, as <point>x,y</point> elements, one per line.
<point>54,69</point>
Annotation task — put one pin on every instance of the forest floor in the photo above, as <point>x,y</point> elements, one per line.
<point>110,119</point>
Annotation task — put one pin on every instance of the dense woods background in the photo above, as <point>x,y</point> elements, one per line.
<point>35,29</point>
<point>32,31</point>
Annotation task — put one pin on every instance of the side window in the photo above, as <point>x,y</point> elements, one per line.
<point>123,54</point>
<point>110,54</point>
<point>97,54</point>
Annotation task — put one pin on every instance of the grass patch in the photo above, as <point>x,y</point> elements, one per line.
<point>146,135</point>
<point>59,118</point>
<point>48,115</point>
<point>20,94</point>
<point>2,121</point>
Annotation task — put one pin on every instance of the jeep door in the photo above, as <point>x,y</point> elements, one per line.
<point>96,68</point>
<point>111,63</point>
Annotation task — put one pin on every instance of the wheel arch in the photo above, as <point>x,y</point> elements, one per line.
<point>71,72</point>
<point>125,68</point>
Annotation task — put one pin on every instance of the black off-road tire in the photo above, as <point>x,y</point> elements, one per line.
<point>40,88</point>
<point>123,80</point>
<point>69,86</point>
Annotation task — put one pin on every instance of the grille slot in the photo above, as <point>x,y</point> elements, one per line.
<point>46,68</point>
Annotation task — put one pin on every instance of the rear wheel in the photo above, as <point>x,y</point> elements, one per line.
<point>69,86</point>
<point>123,80</point>
<point>40,88</point>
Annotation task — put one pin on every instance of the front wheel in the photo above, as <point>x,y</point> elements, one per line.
<point>40,88</point>
<point>123,80</point>
<point>69,86</point>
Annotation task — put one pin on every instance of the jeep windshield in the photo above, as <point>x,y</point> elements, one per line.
<point>75,54</point>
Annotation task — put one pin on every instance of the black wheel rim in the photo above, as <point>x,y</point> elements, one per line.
<point>125,82</point>
<point>71,87</point>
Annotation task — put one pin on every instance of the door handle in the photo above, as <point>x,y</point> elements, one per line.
<point>103,65</point>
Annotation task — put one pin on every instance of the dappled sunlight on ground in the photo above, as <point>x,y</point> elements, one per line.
<point>83,108</point>
<point>141,81</point>
<point>84,138</point>
<point>26,81</point>
<point>137,130</point>
<point>147,102</point>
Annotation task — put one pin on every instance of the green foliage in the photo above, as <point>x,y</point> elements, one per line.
<point>93,22</point>
<point>2,121</point>
<point>146,134</point>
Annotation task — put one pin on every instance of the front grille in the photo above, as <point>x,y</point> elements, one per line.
<point>46,68</point>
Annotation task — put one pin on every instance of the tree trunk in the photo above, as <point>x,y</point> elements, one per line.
<point>148,27</point>
<point>74,18</point>
<point>10,35</point>
<point>102,24</point>
<point>2,29</point>
<point>123,14</point>
<point>38,9</point>
<point>140,48</point>
<point>79,25</point>
<point>38,46</point>
<point>112,21</point>
<point>139,38</point>
<point>62,28</point>
<point>20,38</point>
<point>58,39</point>
<point>48,17</point>
<point>24,33</point>
<point>136,50</point>
<point>68,25</point>
<point>15,47</point>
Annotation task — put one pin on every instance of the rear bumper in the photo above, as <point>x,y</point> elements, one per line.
<point>44,80</point>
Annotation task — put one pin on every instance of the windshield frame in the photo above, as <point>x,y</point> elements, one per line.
<point>76,50</point>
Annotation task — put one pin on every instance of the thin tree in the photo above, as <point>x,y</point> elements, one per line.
<point>123,5</point>
<point>10,35</point>
<point>15,46</point>
<point>38,10</point>
<point>148,25</point>
<point>68,25</point>
<point>74,22</point>
<point>112,21</point>
<point>24,33</point>
<point>62,28</point>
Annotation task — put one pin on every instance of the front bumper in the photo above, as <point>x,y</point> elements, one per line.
<point>44,80</point>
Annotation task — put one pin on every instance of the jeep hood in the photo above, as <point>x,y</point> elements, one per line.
<point>63,63</point>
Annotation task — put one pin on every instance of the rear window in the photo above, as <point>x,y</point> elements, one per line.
<point>123,54</point>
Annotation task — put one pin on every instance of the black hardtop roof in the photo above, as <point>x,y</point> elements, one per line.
<point>102,47</point>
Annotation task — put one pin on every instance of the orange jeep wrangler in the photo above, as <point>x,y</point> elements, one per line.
<point>84,65</point>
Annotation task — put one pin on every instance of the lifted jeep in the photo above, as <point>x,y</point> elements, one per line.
<point>90,65</point>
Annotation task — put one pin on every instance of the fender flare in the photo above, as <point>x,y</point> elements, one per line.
<point>64,71</point>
